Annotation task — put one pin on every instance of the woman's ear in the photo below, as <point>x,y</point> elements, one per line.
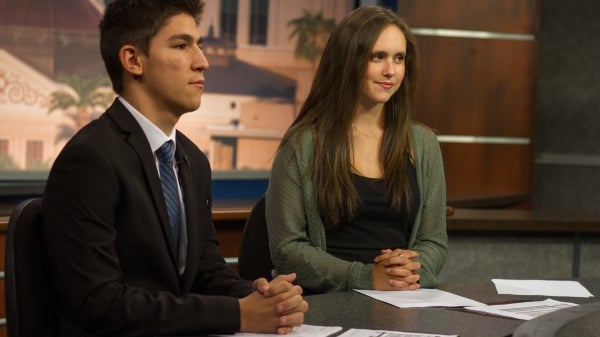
<point>130,57</point>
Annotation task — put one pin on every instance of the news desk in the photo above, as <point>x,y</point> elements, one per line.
<point>354,310</point>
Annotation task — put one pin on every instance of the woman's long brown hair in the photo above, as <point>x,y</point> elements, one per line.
<point>330,106</point>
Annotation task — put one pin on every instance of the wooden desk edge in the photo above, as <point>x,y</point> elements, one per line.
<point>238,212</point>
<point>515,220</point>
<point>226,214</point>
<point>462,220</point>
<point>231,214</point>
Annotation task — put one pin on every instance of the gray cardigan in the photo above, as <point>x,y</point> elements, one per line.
<point>297,233</point>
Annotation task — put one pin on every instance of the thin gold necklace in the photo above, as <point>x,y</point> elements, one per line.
<point>368,135</point>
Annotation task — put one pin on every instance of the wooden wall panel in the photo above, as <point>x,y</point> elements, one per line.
<point>512,16</point>
<point>474,85</point>
<point>477,86</point>
<point>487,169</point>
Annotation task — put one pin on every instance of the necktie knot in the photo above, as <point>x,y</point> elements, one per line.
<point>166,152</point>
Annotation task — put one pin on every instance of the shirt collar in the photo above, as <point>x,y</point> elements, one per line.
<point>155,136</point>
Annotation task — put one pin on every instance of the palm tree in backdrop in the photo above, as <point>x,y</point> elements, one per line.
<point>79,103</point>
<point>312,32</point>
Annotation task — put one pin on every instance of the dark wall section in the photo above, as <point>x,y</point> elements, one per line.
<point>567,135</point>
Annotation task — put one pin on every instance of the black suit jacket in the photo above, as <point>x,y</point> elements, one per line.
<point>107,234</point>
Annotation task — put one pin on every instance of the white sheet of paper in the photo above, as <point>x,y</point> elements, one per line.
<point>420,298</point>
<point>387,333</point>
<point>304,330</point>
<point>541,287</point>
<point>523,310</point>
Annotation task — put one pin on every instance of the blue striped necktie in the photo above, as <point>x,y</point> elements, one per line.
<point>168,180</point>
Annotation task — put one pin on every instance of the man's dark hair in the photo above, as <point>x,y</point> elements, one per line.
<point>135,22</point>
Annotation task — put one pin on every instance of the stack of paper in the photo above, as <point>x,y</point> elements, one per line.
<point>541,287</point>
<point>386,333</point>
<point>523,310</point>
<point>530,310</point>
<point>420,298</point>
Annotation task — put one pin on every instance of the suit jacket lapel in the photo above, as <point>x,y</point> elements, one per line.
<point>190,204</point>
<point>138,141</point>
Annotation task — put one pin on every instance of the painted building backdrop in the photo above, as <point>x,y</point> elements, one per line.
<point>52,79</point>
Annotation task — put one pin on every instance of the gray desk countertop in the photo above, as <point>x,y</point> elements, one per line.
<point>354,310</point>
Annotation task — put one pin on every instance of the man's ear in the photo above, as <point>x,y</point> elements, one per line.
<point>130,57</point>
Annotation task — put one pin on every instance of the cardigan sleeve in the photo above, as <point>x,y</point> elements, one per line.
<point>429,237</point>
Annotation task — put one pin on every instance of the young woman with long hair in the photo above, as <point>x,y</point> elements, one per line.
<point>357,196</point>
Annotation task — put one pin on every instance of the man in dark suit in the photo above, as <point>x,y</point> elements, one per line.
<point>121,265</point>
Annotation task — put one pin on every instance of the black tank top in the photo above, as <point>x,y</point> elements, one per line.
<point>376,225</point>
